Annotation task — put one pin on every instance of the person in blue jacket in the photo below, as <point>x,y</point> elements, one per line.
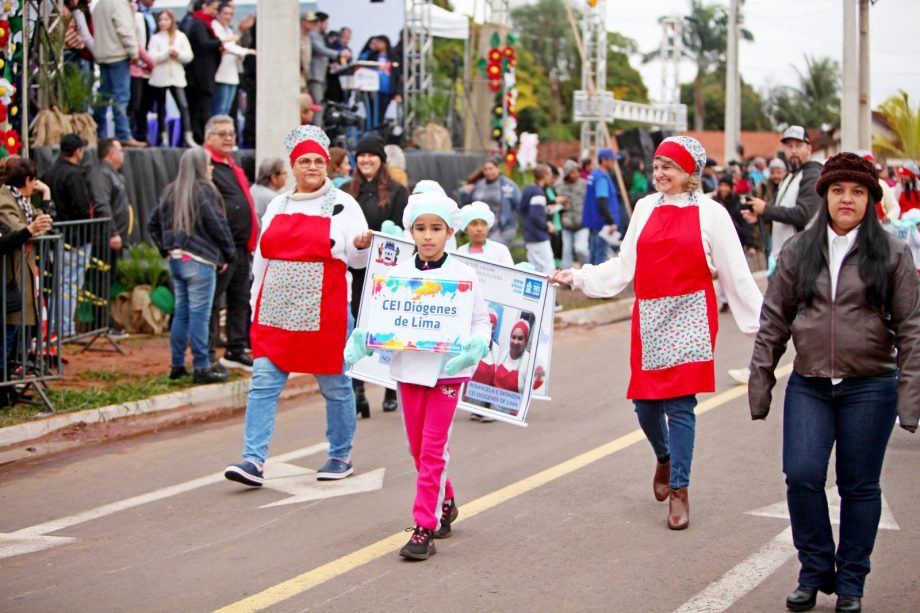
<point>602,206</point>
<point>537,229</point>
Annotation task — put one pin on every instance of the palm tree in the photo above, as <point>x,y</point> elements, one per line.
<point>815,103</point>
<point>904,121</point>
<point>705,41</point>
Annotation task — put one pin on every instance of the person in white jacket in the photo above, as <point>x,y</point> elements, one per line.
<point>477,221</point>
<point>227,79</point>
<point>171,51</point>
<point>429,383</point>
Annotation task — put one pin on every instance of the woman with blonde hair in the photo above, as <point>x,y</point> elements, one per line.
<point>190,227</point>
<point>171,51</point>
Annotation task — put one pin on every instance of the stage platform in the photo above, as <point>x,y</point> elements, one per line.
<point>148,171</point>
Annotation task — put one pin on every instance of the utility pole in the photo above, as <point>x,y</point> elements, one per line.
<point>865,102</point>
<point>732,87</point>
<point>849,102</point>
<point>278,69</point>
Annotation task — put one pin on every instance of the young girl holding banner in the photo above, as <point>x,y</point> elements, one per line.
<point>429,383</point>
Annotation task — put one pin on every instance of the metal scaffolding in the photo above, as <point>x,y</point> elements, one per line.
<point>497,11</point>
<point>594,76</point>
<point>418,45</point>
<point>672,46</point>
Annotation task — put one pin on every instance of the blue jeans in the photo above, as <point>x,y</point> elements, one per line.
<point>857,415</point>
<point>193,282</point>
<point>114,89</point>
<point>73,275</point>
<point>599,249</point>
<point>268,381</point>
<point>223,98</point>
<point>673,436</point>
<point>574,246</point>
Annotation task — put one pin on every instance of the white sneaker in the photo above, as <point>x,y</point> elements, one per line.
<point>741,375</point>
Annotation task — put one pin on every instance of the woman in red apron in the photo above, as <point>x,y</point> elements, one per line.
<point>676,242</point>
<point>300,296</point>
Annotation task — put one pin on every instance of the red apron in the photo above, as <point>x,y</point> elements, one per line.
<point>675,318</point>
<point>301,317</point>
<point>485,372</point>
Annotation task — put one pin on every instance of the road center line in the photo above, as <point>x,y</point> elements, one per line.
<point>319,575</point>
<point>56,525</point>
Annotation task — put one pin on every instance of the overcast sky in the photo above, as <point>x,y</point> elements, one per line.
<point>784,30</point>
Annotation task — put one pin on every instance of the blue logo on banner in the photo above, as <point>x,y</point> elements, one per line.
<point>533,288</point>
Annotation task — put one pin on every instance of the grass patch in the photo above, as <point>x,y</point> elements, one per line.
<point>115,387</point>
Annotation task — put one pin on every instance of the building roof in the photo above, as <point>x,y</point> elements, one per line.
<point>765,144</point>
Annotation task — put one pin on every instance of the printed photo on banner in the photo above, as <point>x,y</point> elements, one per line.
<point>521,310</point>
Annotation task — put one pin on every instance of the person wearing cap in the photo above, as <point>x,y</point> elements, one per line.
<point>429,383</point>
<point>300,293</point>
<point>710,177</point>
<point>887,208</point>
<point>909,197</point>
<point>477,221</point>
<point>381,200</point>
<point>68,180</point>
<point>319,60</point>
<point>571,194</point>
<point>502,194</point>
<point>677,241</point>
<point>602,206</point>
<point>846,293</point>
<point>791,209</point>
<point>308,109</point>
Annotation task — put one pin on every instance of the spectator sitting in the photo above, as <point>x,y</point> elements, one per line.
<point>272,178</point>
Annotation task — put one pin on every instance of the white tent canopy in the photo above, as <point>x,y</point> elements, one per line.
<point>445,24</point>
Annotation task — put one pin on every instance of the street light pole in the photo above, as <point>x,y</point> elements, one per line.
<point>732,87</point>
<point>849,102</point>
<point>865,102</point>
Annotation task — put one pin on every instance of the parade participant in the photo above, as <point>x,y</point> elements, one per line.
<point>489,185</point>
<point>300,293</point>
<point>381,199</point>
<point>887,207</point>
<point>511,371</point>
<point>429,384</point>
<point>478,220</point>
<point>909,197</point>
<point>190,226</point>
<point>423,187</point>
<point>846,292</point>
<point>677,241</point>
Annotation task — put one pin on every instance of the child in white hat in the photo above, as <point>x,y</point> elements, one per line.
<point>476,221</point>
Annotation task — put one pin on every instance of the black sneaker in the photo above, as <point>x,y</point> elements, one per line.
<point>246,473</point>
<point>449,513</point>
<point>420,545</point>
<point>208,375</point>
<point>177,372</point>
<point>117,333</point>
<point>241,361</point>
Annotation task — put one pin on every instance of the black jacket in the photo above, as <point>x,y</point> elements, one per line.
<point>369,202</point>
<point>206,46</point>
<point>12,240</point>
<point>211,239</point>
<point>110,199</point>
<point>70,191</point>
<point>806,201</point>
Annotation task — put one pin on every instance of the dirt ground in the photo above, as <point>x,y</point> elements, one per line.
<point>142,355</point>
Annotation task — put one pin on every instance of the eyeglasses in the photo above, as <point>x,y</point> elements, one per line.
<point>225,134</point>
<point>314,162</point>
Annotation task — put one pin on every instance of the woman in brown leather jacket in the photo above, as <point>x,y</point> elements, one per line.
<point>847,293</point>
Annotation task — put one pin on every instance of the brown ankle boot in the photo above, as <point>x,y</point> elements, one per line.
<point>679,509</point>
<point>661,483</point>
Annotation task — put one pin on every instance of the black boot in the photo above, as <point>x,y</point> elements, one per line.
<point>389,400</point>
<point>362,406</point>
<point>177,372</point>
<point>803,598</point>
<point>209,375</point>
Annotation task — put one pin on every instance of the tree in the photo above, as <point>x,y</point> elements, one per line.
<point>705,41</point>
<point>904,121</point>
<point>753,108</point>
<point>815,103</point>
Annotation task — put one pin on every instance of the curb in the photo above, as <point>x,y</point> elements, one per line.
<point>231,395</point>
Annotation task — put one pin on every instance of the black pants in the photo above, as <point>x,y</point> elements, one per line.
<point>140,104</point>
<point>178,94</point>
<point>199,106</point>
<point>234,283</point>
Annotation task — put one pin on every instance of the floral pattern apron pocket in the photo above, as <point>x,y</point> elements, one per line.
<point>674,330</point>
<point>291,296</point>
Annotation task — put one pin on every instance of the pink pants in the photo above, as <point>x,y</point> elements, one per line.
<point>428,414</point>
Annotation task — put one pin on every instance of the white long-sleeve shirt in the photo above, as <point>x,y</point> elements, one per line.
<point>724,256</point>
<point>345,226</point>
<point>491,252</point>
<point>425,368</point>
<point>228,71</point>
<point>169,72</point>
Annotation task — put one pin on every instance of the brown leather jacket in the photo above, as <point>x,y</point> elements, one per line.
<point>843,338</point>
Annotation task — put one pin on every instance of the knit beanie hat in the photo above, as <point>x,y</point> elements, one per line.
<point>477,210</point>
<point>372,144</point>
<point>777,163</point>
<point>306,139</point>
<point>849,167</point>
<point>686,152</point>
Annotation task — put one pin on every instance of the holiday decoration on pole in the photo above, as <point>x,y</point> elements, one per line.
<point>10,77</point>
<point>499,68</point>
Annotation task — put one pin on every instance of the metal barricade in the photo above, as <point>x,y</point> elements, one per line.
<point>86,268</point>
<point>31,343</point>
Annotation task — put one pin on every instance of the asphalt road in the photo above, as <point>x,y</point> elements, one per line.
<point>555,516</point>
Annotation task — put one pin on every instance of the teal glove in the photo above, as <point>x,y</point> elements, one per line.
<point>391,229</point>
<point>474,349</point>
<point>525,266</point>
<point>771,265</point>
<point>356,347</point>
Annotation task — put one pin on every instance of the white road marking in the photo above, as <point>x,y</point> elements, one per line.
<point>32,539</point>
<point>302,485</point>
<point>747,575</point>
